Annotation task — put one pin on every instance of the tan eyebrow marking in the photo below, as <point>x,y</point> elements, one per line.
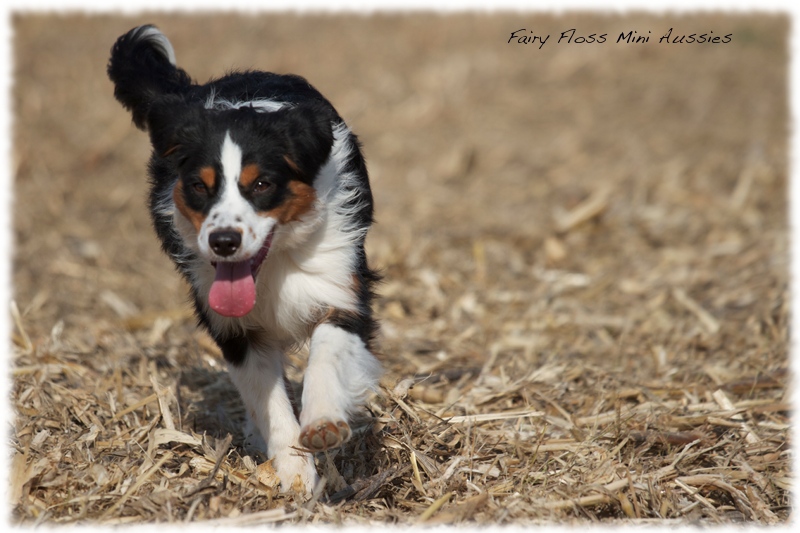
<point>249,174</point>
<point>208,176</point>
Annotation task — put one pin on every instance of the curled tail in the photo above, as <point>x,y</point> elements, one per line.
<point>142,67</point>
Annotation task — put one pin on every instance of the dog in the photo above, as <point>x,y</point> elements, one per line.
<point>259,193</point>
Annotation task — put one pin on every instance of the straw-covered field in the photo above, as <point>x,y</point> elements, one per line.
<point>585,250</point>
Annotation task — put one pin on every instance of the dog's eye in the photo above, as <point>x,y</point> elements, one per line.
<point>200,188</point>
<point>261,186</point>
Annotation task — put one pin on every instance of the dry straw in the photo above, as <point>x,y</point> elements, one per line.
<point>585,307</point>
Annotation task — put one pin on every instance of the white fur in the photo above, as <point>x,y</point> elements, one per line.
<point>259,104</point>
<point>310,264</point>
<point>308,270</point>
<point>260,383</point>
<point>341,370</point>
<point>160,41</point>
<point>232,211</point>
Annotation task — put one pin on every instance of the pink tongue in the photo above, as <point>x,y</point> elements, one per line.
<point>233,292</point>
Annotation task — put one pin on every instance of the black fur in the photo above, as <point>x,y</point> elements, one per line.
<point>142,73</point>
<point>164,100</point>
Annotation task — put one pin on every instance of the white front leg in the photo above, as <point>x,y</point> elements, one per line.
<point>341,371</point>
<point>261,384</point>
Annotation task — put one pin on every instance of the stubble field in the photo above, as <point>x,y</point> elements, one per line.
<point>585,251</point>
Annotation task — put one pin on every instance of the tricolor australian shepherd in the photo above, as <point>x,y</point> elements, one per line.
<point>260,195</point>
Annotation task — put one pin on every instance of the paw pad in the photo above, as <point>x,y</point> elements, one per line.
<point>324,434</point>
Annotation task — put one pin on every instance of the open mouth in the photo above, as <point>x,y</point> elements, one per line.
<point>233,291</point>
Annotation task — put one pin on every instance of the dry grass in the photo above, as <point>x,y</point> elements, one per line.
<point>586,302</point>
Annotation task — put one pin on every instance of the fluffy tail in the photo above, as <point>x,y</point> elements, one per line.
<point>142,67</point>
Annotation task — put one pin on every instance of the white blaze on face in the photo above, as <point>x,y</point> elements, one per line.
<point>231,160</point>
<point>233,291</point>
<point>232,211</point>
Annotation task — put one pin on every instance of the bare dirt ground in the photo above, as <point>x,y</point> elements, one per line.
<point>585,249</point>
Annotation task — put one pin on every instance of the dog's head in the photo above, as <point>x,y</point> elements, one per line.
<point>241,174</point>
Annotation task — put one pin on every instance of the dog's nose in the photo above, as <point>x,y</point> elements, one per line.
<point>225,242</point>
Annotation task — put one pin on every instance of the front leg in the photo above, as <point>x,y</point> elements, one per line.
<point>259,379</point>
<point>341,371</point>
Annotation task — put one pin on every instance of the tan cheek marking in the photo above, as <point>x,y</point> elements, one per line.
<point>249,174</point>
<point>195,217</point>
<point>208,176</point>
<point>299,203</point>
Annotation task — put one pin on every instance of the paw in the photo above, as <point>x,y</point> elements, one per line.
<point>324,434</point>
<point>296,472</point>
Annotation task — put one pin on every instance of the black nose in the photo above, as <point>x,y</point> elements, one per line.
<point>225,242</point>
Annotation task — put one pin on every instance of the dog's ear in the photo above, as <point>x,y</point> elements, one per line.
<point>174,125</point>
<point>308,129</point>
